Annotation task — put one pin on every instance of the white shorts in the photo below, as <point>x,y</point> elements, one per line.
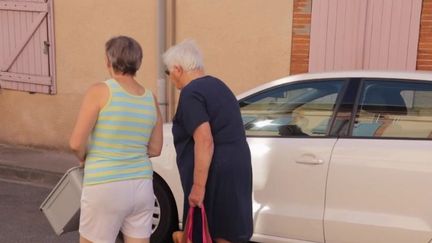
<point>124,205</point>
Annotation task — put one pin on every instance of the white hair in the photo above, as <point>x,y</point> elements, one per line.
<point>185,54</point>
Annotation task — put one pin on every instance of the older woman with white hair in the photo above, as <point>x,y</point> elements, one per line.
<point>213,156</point>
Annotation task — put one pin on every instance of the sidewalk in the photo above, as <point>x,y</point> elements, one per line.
<point>40,166</point>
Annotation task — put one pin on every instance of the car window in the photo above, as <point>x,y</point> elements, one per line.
<point>395,109</point>
<point>300,109</point>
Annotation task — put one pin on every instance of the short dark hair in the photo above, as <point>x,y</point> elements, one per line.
<point>124,54</point>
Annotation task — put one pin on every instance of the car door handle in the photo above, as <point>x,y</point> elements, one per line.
<point>309,160</point>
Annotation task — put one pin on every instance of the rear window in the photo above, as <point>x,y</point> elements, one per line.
<point>394,109</point>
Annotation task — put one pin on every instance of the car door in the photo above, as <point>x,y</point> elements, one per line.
<point>380,175</point>
<point>287,128</point>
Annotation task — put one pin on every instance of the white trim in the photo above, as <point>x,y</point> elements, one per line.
<point>418,75</point>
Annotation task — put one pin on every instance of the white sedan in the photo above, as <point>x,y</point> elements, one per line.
<point>337,157</point>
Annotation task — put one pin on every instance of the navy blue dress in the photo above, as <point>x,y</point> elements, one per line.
<point>228,196</point>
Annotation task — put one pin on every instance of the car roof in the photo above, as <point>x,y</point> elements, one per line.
<point>415,75</point>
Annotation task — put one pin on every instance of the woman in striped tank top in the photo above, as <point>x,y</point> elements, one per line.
<point>125,125</point>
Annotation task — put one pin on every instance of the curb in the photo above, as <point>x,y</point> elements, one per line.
<point>40,177</point>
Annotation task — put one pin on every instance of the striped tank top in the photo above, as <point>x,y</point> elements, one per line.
<point>118,147</point>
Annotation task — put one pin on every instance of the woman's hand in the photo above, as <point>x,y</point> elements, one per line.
<point>196,197</point>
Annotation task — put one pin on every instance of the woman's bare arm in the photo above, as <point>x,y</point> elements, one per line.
<point>156,139</point>
<point>95,98</point>
<point>203,150</point>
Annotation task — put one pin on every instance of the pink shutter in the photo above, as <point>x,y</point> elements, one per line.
<point>392,34</point>
<point>337,31</point>
<point>364,34</point>
<point>27,46</point>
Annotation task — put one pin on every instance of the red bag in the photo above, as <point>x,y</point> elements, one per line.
<point>186,236</point>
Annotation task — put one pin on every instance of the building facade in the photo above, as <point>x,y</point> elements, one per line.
<point>52,51</point>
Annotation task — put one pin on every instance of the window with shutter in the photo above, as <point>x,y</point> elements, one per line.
<point>364,34</point>
<point>27,46</point>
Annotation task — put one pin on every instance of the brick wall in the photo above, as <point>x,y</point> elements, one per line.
<point>301,36</point>
<point>424,54</point>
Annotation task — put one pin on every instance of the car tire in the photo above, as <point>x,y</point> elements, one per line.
<point>165,218</point>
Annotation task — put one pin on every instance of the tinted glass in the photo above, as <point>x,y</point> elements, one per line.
<point>394,109</point>
<point>302,109</point>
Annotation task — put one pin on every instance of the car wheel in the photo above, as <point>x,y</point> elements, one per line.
<point>165,216</point>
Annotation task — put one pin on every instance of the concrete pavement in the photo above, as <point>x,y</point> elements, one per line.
<point>33,173</point>
<point>22,222</point>
<point>27,175</point>
<point>40,166</point>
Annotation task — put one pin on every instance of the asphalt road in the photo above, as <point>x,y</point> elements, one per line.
<point>20,218</point>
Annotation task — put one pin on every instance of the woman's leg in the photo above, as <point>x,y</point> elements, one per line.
<point>220,240</point>
<point>128,239</point>
<point>84,240</point>
<point>137,227</point>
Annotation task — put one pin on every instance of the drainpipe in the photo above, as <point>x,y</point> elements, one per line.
<point>165,39</point>
<point>161,47</point>
<point>170,41</point>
